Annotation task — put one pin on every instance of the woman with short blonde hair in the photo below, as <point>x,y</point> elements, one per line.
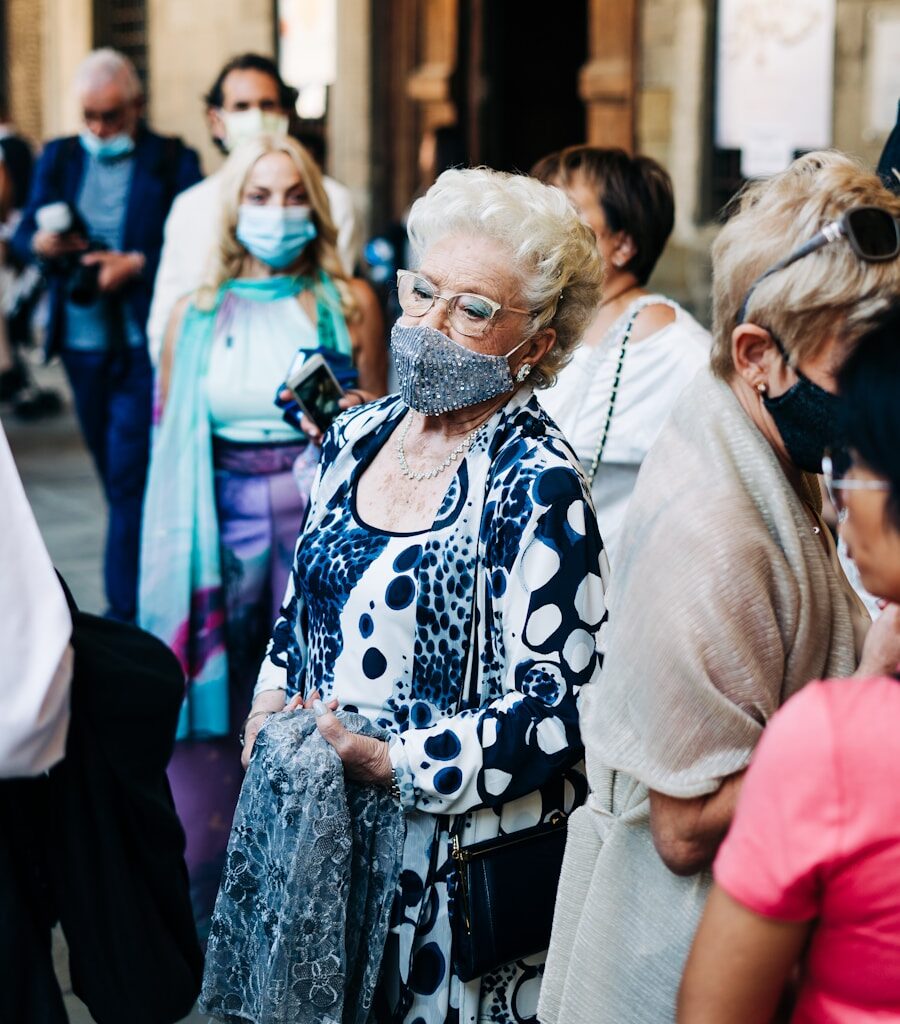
<point>223,508</point>
<point>728,596</point>
<point>803,302</point>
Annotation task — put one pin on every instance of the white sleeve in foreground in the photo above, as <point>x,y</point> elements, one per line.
<point>35,629</point>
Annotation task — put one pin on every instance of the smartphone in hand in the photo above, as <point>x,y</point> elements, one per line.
<point>317,391</point>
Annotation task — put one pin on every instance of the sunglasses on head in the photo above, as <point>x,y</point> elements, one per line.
<point>873,234</point>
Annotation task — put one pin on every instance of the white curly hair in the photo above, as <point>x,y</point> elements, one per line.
<point>553,251</point>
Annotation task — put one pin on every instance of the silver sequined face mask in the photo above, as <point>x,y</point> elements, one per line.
<point>439,375</point>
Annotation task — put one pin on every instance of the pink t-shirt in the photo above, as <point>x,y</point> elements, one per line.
<point>817,835</point>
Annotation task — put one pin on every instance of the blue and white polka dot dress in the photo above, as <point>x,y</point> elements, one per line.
<point>383,623</point>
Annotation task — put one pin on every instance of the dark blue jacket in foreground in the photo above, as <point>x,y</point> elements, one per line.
<point>163,168</point>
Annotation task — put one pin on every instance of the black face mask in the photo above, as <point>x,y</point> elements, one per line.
<point>807,418</point>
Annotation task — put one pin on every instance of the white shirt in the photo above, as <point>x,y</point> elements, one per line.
<point>655,371</point>
<point>35,629</point>
<point>190,233</point>
<point>254,345</point>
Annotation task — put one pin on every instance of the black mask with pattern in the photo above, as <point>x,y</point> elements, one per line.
<point>807,417</point>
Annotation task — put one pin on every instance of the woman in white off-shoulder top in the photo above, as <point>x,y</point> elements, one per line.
<point>641,349</point>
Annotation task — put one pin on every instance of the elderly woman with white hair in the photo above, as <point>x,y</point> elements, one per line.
<point>448,587</point>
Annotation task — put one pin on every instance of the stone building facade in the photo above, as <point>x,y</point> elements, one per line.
<point>516,79</point>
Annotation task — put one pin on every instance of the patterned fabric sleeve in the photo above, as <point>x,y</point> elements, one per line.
<point>545,571</point>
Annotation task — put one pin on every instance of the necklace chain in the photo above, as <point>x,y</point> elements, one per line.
<point>429,474</point>
<point>632,312</point>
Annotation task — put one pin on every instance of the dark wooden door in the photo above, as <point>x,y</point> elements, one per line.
<point>122,24</point>
<point>521,77</point>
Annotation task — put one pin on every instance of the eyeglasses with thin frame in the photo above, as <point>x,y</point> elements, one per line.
<point>470,314</point>
<point>873,234</point>
<point>108,118</point>
<point>835,467</point>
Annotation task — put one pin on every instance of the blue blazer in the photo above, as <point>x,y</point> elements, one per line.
<point>163,167</point>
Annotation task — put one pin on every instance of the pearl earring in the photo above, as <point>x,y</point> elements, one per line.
<point>523,372</point>
<point>762,387</point>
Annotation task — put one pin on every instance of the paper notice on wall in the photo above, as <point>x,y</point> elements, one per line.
<point>775,79</point>
<point>765,154</point>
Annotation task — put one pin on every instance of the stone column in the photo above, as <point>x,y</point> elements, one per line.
<point>24,51</point>
<point>350,107</point>
<point>67,34</point>
<point>607,81</point>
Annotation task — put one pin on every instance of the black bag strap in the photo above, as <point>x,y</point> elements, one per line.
<point>468,687</point>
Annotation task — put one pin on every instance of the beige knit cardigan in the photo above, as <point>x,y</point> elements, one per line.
<point>724,602</point>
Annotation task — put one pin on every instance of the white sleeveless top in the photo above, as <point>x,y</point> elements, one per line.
<point>655,371</point>
<point>252,350</point>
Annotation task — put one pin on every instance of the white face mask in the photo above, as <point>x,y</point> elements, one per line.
<point>245,125</point>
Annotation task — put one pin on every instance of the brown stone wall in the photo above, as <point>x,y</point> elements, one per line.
<point>674,122</point>
<point>187,42</point>
<point>25,65</point>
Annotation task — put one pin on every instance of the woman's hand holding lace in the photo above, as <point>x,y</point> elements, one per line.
<point>365,759</point>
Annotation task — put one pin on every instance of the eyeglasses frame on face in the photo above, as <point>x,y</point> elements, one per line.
<point>830,233</point>
<point>832,486</point>
<point>108,118</point>
<point>494,306</point>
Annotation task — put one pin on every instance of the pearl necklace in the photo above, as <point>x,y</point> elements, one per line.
<point>429,474</point>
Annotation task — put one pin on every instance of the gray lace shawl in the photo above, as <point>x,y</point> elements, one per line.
<point>313,861</point>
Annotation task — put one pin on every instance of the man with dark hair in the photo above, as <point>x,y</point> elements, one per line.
<point>248,98</point>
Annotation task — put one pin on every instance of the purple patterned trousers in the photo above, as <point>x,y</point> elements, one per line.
<point>259,510</point>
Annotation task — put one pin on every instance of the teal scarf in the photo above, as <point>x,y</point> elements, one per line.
<point>181,599</point>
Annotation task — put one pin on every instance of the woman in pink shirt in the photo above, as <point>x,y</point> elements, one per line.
<point>809,874</point>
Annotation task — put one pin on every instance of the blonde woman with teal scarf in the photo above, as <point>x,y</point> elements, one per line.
<point>223,510</point>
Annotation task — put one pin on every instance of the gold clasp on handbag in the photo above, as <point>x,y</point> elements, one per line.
<point>459,855</point>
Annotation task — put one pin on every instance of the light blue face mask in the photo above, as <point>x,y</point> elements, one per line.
<point>275,235</point>
<point>107,149</point>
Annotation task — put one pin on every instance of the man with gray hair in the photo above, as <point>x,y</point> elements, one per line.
<point>94,222</point>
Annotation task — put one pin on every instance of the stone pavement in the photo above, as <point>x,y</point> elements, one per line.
<point>68,504</point>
